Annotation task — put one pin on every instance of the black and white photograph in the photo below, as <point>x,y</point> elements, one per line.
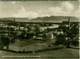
<point>47,29</point>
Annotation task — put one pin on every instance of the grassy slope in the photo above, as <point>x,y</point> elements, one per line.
<point>53,54</point>
<point>65,53</point>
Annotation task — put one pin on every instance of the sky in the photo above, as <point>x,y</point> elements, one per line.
<point>34,9</point>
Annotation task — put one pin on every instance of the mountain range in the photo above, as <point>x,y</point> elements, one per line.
<point>42,19</point>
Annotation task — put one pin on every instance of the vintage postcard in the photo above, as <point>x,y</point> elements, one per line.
<point>39,29</point>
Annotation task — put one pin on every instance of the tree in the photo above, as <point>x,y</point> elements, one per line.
<point>5,41</point>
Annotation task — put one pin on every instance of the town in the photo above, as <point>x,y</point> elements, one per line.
<point>65,33</point>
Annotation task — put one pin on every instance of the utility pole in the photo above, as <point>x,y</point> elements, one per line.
<point>14,20</point>
<point>68,41</point>
<point>69,24</point>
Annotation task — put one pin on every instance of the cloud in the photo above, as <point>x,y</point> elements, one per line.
<point>21,9</point>
<point>14,9</point>
<point>8,9</point>
<point>54,9</point>
<point>67,6</point>
<point>13,2</point>
<point>65,9</point>
<point>23,13</point>
<point>77,13</point>
<point>32,14</point>
<point>40,13</point>
<point>51,11</point>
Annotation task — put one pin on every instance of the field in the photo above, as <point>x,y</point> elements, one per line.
<point>29,45</point>
<point>66,53</point>
<point>34,45</point>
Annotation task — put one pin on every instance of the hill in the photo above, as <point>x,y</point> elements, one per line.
<point>55,19</point>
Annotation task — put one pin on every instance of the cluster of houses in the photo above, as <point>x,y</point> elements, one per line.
<point>56,32</point>
<point>17,28</point>
<point>6,28</point>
